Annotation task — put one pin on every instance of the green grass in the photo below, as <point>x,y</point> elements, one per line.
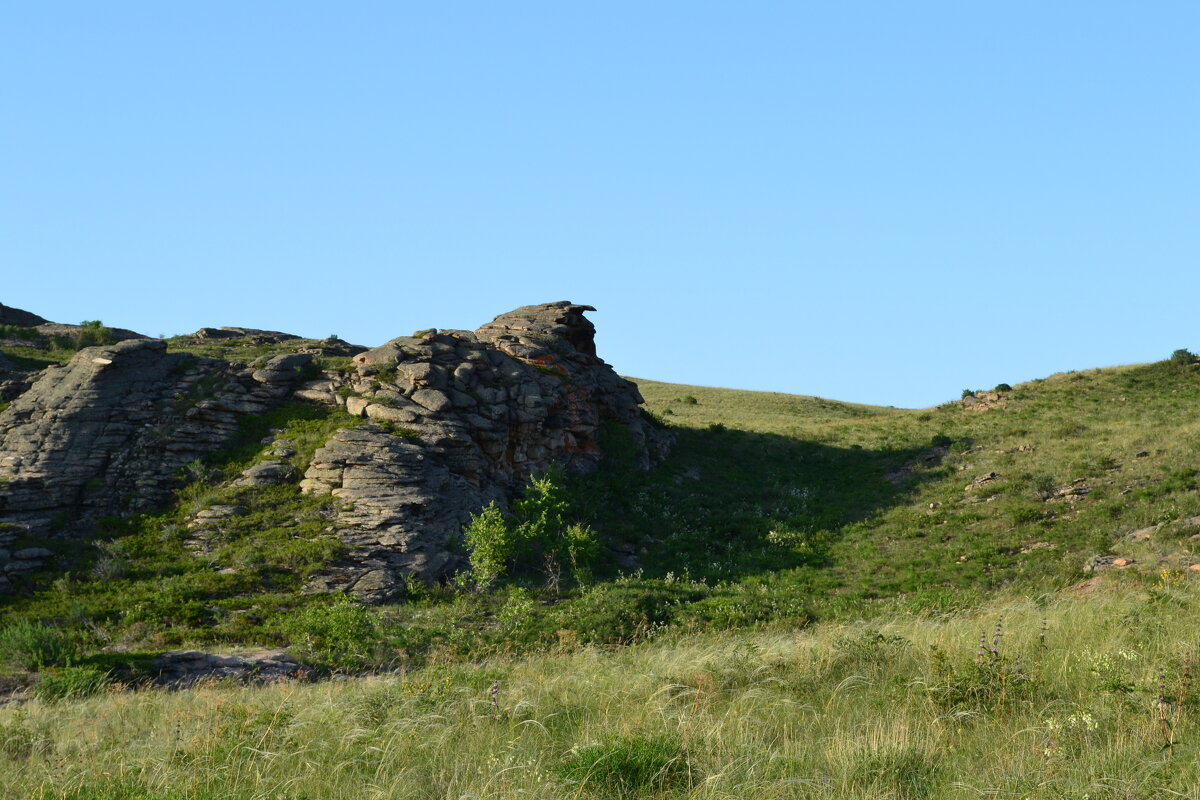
<point>771,510</point>
<point>902,708</point>
<point>814,580</point>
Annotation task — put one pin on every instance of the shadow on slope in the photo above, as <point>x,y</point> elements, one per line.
<point>731,503</point>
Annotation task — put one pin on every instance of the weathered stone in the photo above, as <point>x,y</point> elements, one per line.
<point>18,318</point>
<point>184,668</point>
<point>220,512</point>
<point>30,553</point>
<point>482,412</point>
<point>381,412</point>
<point>267,473</point>
<point>431,399</point>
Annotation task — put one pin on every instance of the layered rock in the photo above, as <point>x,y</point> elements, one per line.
<point>110,432</point>
<point>461,419</point>
<point>450,421</point>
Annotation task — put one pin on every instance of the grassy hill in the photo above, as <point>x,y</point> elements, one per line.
<point>789,606</point>
<point>771,509</point>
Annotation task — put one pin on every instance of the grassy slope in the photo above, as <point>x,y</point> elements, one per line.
<point>905,709</point>
<point>923,532</point>
<point>772,508</point>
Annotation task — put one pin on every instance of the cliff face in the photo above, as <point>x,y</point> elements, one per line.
<point>477,414</point>
<point>109,433</point>
<point>451,420</point>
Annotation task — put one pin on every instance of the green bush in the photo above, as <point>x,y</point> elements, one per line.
<point>26,645</point>
<point>91,333</point>
<point>535,536</point>
<point>491,543</point>
<point>70,683</point>
<point>1183,357</point>
<point>339,636</point>
<point>634,766</point>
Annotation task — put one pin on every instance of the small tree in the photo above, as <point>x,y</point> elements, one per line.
<point>1182,357</point>
<point>491,543</point>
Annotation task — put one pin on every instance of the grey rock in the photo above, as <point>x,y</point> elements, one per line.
<point>545,398</point>
<point>220,512</point>
<point>431,399</point>
<point>184,668</point>
<point>19,318</point>
<point>267,473</point>
<point>31,553</point>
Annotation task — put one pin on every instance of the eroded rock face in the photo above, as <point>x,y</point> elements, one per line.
<point>109,433</point>
<point>450,421</point>
<point>462,419</point>
<point>19,318</point>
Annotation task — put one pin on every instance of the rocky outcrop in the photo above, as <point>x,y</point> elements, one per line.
<point>180,669</point>
<point>18,318</point>
<point>460,419</point>
<point>110,432</point>
<point>449,422</point>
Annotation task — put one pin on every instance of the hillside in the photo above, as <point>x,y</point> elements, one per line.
<point>769,509</point>
<point>798,598</point>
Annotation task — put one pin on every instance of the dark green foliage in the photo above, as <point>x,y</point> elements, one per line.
<point>339,635</point>
<point>70,683</point>
<point>1182,357</point>
<point>18,333</point>
<point>869,648</point>
<point>967,393</point>
<point>1002,387</point>
<point>535,537</point>
<point>28,645</point>
<point>991,680</point>
<point>491,544</point>
<point>633,766</point>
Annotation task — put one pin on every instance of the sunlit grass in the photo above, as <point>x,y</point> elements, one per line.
<point>835,711</point>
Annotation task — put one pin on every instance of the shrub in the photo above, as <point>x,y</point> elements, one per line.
<point>1043,485</point>
<point>1002,387</point>
<point>1183,357</point>
<point>70,683</point>
<point>634,766</point>
<point>491,543</point>
<point>537,530</point>
<point>967,393</point>
<point>338,636</point>
<point>26,645</point>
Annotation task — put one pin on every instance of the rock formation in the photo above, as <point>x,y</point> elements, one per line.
<point>18,318</point>
<point>450,421</point>
<point>109,433</point>
<point>462,419</point>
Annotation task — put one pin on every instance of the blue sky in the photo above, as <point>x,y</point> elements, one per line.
<point>869,201</point>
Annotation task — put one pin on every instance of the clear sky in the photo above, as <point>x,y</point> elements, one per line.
<point>879,202</point>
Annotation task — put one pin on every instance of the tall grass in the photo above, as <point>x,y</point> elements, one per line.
<point>835,711</point>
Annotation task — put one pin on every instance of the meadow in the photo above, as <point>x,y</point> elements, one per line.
<point>808,598</point>
<point>1069,696</point>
